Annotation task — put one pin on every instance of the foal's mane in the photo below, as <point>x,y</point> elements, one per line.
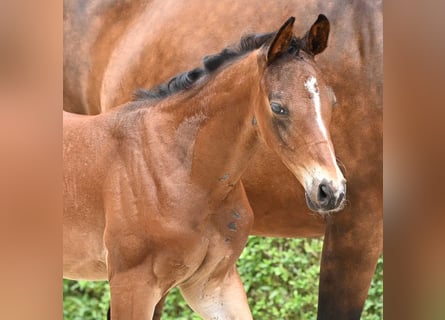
<point>211,63</point>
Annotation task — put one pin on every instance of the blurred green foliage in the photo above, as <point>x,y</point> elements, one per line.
<point>280,277</point>
<point>85,300</point>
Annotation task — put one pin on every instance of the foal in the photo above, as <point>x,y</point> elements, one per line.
<point>152,190</point>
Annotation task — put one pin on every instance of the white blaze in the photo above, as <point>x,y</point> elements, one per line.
<point>312,87</point>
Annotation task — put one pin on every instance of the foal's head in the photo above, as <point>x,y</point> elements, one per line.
<point>294,111</point>
<point>295,117</point>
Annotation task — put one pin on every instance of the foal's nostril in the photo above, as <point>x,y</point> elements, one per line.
<point>324,195</point>
<point>340,198</point>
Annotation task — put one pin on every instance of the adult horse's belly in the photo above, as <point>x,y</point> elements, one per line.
<point>277,199</point>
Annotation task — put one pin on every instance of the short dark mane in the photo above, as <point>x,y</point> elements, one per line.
<point>185,80</point>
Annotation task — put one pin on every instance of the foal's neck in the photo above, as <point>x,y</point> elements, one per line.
<point>218,132</point>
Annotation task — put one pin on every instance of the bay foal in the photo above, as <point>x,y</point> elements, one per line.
<point>152,190</point>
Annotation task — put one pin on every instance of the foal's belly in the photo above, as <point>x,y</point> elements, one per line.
<point>84,268</point>
<point>84,254</point>
<point>95,270</point>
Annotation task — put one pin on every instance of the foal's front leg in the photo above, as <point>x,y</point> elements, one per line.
<point>133,296</point>
<point>157,314</point>
<point>134,287</point>
<point>221,298</point>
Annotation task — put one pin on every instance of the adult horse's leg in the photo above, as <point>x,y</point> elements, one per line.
<point>352,245</point>
<point>220,298</point>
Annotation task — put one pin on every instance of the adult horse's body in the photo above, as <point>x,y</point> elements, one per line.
<point>153,196</point>
<point>112,48</point>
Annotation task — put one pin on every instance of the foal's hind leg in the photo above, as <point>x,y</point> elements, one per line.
<point>221,298</point>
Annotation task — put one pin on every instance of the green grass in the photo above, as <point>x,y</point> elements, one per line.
<point>280,277</point>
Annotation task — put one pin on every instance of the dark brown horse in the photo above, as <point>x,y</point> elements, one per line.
<point>153,196</point>
<point>113,47</point>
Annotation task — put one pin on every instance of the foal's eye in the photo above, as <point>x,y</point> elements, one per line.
<point>278,108</point>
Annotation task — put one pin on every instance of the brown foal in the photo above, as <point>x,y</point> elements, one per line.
<point>152,191</point>
<point>112,48</point>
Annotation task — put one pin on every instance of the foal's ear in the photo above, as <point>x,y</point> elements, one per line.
<point>281,42</point>
<point>316,39</point>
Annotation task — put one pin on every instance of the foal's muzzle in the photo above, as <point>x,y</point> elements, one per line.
<point>326,197</point>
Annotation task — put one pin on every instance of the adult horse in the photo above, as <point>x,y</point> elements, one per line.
<point>112,48</point>
<point>153,196</point>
